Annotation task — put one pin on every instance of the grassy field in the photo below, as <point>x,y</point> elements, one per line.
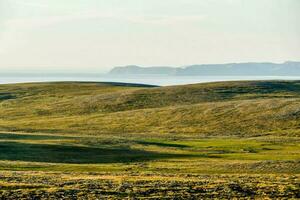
<point>73,140</point>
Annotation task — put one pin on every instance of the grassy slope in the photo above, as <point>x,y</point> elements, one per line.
<point>128,140</point>
<point>229,108</point>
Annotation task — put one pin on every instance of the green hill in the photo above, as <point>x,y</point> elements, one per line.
<point>79,140</point>
<point>248,108</point>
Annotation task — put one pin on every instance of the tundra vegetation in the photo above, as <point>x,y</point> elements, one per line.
<point>78,140</point>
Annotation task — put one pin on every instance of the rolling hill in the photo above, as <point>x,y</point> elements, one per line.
<point>85,140</point>
<point>243,109</point>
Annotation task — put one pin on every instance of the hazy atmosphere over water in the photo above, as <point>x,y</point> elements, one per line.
<point>96,35</point>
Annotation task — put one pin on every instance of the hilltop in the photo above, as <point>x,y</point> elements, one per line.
<point>242,108</point>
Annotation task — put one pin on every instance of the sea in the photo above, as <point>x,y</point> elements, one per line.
<point>159,80</point>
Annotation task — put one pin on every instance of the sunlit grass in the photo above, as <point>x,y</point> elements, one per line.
<point>236,139</point>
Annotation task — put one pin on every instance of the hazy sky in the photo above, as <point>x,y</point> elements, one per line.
<point>95,35</point>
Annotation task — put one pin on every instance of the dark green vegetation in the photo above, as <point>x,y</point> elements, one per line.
<point>87,140</point>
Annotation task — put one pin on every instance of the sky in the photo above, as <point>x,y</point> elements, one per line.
<point>96,35</point>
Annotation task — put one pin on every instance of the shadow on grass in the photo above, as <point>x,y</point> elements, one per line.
<point>6,96</point>
<point>161,144</point>
<point>15,151</point>
<point>9,136</point>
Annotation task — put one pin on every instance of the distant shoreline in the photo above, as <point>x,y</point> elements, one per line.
<point>230,69</point>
